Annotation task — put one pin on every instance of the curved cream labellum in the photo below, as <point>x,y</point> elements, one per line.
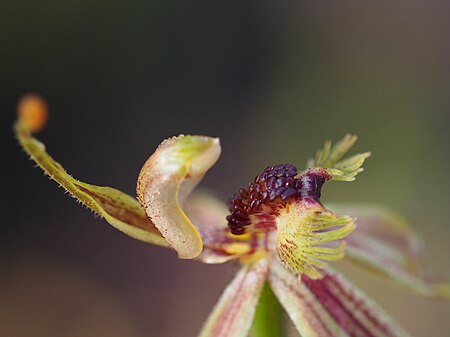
<point>167,178</point>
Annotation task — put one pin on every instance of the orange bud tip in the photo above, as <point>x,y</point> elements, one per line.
<point>32,112</point>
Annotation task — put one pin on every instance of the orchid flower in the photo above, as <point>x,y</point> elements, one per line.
<point>276,229</point>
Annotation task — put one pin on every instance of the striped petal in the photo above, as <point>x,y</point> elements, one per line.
<point>233,314</point>
<point>386,244</point>
<point>331,306</point>
<point>119,209</point>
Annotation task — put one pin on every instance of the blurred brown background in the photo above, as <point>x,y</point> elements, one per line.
<point>272,80</point>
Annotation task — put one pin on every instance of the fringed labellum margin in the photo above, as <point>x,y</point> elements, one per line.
<point>286,203</point>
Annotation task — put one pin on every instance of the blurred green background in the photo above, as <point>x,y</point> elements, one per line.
<point>272,80</point>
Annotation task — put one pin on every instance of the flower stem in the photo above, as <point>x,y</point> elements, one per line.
<point>269,316</point>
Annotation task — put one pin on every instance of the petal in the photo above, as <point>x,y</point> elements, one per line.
<point>209,216</point>
<point>331,306</point>
<point>167,178</point>
<point>308,234</point>
<point>206,211</point>
<point>119,209</point>
<point>386,244</point>
<point>233,314</point>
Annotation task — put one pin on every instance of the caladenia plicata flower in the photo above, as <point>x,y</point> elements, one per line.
<point>277,229</point>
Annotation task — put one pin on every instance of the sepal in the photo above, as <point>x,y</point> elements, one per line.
<point>118,208</point>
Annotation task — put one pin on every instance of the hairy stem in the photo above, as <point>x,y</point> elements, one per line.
<point>269,316</point>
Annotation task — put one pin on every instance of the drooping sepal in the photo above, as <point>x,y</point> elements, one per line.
<point>167,178</point>
<point>308,235</point>
<point>233,314</point>
<point>119,209</point>
<point>331,306</point>
<point>385,244</point>
<point>330,158</point>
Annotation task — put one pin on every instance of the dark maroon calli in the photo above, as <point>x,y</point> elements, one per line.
<point>257,206</point>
